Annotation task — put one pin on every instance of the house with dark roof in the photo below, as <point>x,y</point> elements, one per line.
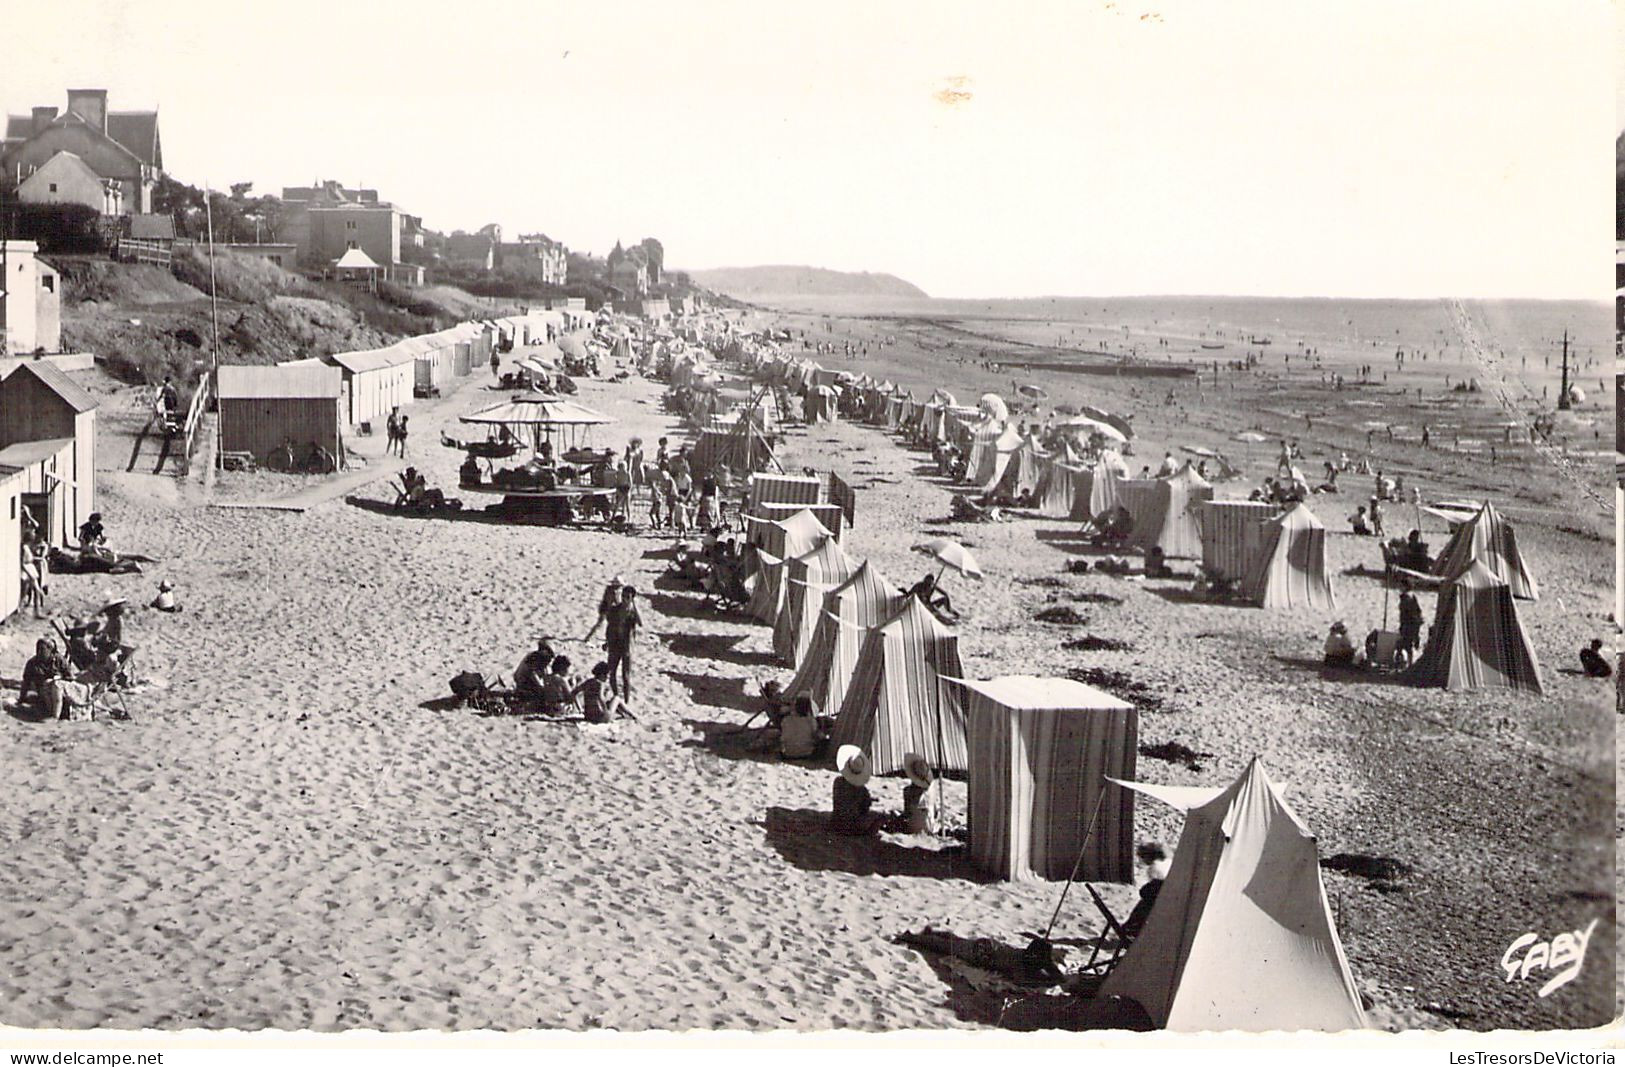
<point>119,146</point>
<point>48,431</point>
<point>67,179</point>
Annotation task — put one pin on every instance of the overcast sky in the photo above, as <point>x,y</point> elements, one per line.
<point>976,149</point>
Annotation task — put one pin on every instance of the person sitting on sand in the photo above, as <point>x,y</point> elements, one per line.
<point>1156,563</point>
<point>598,703</point>
<point>799,736</point>
<point>932,596</point>
<point>109,638</point>
<point>528,676</point>
<point>1155,858</point>
<point>469,472</point>
<point>93,540</point>
<point>1339,648</point>
<point>850,812</point>
<point>165,600</point>
<point>1416,553</point>
<point>40,673</point>
<point>922,797</point>
<point>557,694</point>
<point>1169,465</point>
<point>1358,522</point>
<point>1593,662</point>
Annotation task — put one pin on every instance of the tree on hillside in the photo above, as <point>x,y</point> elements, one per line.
<point>657,258</point>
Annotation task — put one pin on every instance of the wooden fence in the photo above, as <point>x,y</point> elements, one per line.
<point>194,419</point>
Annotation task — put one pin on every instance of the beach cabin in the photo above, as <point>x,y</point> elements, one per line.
<point>48,428</point>
<point>11,541</point>
<point>376,381</point>
<point>264,408</point>
<point>1042,751</point>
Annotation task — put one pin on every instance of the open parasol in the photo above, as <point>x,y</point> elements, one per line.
<point>951,555</point>
<point>1079,423</point>
<point>1032,392</point>
<point>543,413</point>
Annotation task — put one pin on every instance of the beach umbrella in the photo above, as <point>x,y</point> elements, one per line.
<point>1196,450</point>
<point>1250,437</point>
<point>993,405</point>
<point>951,554</point>
<point>542,412</point>
<point>945,398</point>
<point>1032,392</point>
<point>1079,423</point>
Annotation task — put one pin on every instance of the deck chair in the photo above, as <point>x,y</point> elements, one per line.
<point>1112,939</point>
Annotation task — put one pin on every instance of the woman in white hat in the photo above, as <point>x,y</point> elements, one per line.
<point>922,797</point>
<point>851,814</point>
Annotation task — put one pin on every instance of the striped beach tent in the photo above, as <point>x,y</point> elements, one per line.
<point>1241,936</point>
<point>1289,569</point>
<point>981,447</point>
<point>1488,537</point>
<point>850,609</point>
<point>783,489</point>
<point>1042,751</point>
<point>1477,640</point>
<point>1164,511</point>
<point>763,604</point>
<point>1024,470</point>
<point>1066,492</point>
<point>789,535</point>
<point>900,700</point>
<point>1230,535</point>
<point>829,514</point>
<point>806,578</point>
<point>994,459</point>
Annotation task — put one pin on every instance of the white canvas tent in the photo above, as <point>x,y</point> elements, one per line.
<point>1241,936</point>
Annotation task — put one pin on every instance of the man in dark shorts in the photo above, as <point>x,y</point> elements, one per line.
<point>1410,625</point>
<point>621,624</point>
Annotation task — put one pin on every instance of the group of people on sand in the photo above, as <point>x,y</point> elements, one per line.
<point>1380,650</point>
<point>543,682</point>
<point>63,682</point>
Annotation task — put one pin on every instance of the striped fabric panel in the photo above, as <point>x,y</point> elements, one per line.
<point>898,701</point>
<point>1034,785</point>
<point>765,599</point>
<point>1030,470</point>
<point>787,536</point>
<point>1488,537</point>
<point>823,568</point>
<point>1477,640</point>
<point>863,601</point>
<point>1224,534</point>
<point>783,489</point>
<point>1289,570</point>
<point>1104,490</point>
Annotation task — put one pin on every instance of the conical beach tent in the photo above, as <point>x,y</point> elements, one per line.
<point>997,461</point>
<point>1165,512</point>
<point>1477,640</point>
<point>806,578</point>
<point>1489,537</point>
<point>984,450</point>
<point>1230,535</point>
<point>900,700</point>
<point>1043,752</point>
<point>1024,471</point>
<point>1067,492</point>
<point>863,601</point>
<point>1289,570</point>
<point>1241,936</point>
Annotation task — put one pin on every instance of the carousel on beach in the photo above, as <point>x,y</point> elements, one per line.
<point>564,479</point>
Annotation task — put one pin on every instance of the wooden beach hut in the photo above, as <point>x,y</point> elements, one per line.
<point>40,408</point>
<point>375,381</point>
<point>1042,753</point>
<point>264,408</point>
<point>11,541</point>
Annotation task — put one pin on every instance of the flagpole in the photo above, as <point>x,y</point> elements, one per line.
<point>214,315</point>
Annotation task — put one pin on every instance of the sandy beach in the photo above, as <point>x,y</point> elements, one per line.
<point>293,833</point>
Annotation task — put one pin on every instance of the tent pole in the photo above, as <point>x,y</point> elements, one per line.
<point>1077,866</point>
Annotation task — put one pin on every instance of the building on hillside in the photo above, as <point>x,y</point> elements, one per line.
<point>264,408</point>
<point>629,270</point>
<point>67,179</point>
<point>371,228</point>
<point>148,239</point>
<point>297,200</point>
<point>283,255</point>
<point>470,250</point>
<point>537,257</point>
<point>119,146</point>
<point>48,430</point>
<point>30,302</point>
